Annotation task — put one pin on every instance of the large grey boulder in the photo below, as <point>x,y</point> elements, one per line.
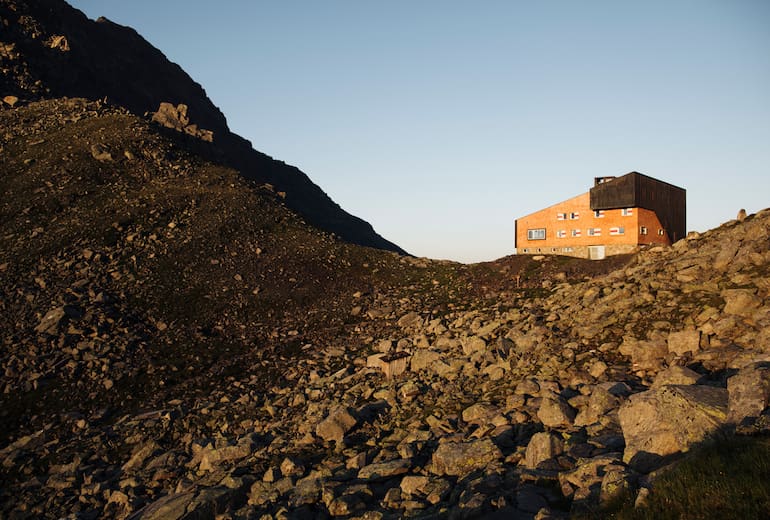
<point>462,458</point>
<point>749,392</point>
<point>542,447</point>
<point>668,420</point>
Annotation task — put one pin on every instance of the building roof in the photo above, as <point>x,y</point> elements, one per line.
<point>636,190</point>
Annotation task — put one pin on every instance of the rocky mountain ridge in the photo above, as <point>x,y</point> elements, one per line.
<point>50,50</point>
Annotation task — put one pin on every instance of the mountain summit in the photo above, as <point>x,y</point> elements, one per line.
<point>50,50</point>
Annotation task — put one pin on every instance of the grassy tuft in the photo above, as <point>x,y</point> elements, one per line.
<point>727,479</point>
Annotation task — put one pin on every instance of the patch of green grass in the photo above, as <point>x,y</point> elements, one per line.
<point>727,479</point>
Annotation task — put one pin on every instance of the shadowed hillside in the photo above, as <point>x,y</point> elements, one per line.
<point>52,50</point>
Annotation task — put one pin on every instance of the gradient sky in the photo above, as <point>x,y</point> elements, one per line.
<point>442,122</point>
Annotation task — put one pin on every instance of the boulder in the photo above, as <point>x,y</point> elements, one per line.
<point>176,118</point>
<point>462,458</point>
<point>474,344</point>
<point>645,355</point>
<point>604,397</point>
<point>479,413</point>
<point>101,153</point>
<point>668,420</point>
<point>424,359</point>
<point>384,470</point>
<point>543,446</point>
<point>585,480</point>
<point>410,321</point>
<point>554,412</point>
<point>56,318</point>
<point>683,341</point>
<point>676,375</point>
<point>741,302</point>
<point>749,392</point>
<point>336,425</point>
<point>207,502</point>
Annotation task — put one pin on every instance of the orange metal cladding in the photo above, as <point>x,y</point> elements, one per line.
<point>561,218</point>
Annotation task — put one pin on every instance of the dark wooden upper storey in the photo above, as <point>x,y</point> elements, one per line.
<point>636,190</point>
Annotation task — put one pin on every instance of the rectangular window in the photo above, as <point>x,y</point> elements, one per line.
<point>575,232</point>
<point>574,215</point>
<point>599,213</point>
<point>562,233</point>
<point>618,230</point>
<point>661,232</point>
<point>642,230</point>
<point>627,212</point>
<point>561,216</point>
<point>536,234</point>
<point>594,232</point>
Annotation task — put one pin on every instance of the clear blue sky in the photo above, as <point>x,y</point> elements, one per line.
<point>442,122</point>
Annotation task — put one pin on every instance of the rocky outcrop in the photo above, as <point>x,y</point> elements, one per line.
<point>175,117</point>
<point>667,421</point>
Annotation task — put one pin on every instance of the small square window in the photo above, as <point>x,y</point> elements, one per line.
<point>599,213</point>
<point>642,230</point>
<point>574,215</point>
<point>536,234</point>
<point>627,212</point>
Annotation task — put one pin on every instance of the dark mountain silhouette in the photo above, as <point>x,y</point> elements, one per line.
<point>50,49</point>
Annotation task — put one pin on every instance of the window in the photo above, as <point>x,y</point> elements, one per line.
<point>536,234</point>
<point>661,232</point>
<point>575,232</point>
<point>567,249</point>
<point>594,232</point>
<point>618,230</point>
<point>561,216</point>
<point>643,230</point>
<point>627,212</point>
<point>562,233</point>
<point>598,213</point>
<point>574,215</point>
